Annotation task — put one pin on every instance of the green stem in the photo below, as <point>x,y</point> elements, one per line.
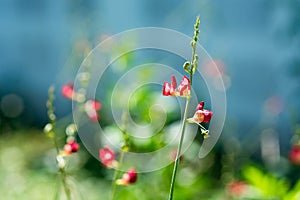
<point>191,72</point>
<point>65,184</point>
<point>63,174</point>
<point>56,145</point>
<point>179,150</point>
<point>202,127</point>
<point>116,174</point>
<point>124,148</point>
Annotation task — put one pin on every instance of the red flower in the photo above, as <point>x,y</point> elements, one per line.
<point>91,108</point>
<point>128,178</point>
<point>68,90</point>
<point>107,157</point>
<point>201,115</point>
<point>183,89</point>
<point>295,154</point>
<point>237,188</point>
<point>71,147</point>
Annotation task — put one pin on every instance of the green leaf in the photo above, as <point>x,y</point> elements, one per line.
<point>294,193</point>
<point>269,185</point>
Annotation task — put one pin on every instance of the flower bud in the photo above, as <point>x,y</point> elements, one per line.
<point>71,147</point>
<point>200,106</point>
<point>48,128</point>
<point>61,162</point>
<point>71,129</point>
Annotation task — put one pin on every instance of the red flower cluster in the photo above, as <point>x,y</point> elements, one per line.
<point>107,157</point>
<point>201,115</point>
<point>295,154</point>
<point>183,89</point>
<point>91,106</point>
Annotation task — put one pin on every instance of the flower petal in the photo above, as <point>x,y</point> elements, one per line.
<point>173,81</point>
<point>200,106</point>
<point>207,115</point>
<point>184,87</point>
<point>166,89</point>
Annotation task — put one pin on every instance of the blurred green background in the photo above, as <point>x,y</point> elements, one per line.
<point>255,43</point>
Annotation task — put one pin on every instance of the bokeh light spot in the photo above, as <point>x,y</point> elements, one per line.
<point>12,105</point>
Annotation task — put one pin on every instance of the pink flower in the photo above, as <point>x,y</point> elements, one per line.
<point>237,188</point>
<point>71,147</point>
<point>91,108</point>
<point>295,154</point>
<point>183,89</point>
<point>128,178</point>
<point>201,115</point>
<point>68,90</point>
<point>107,157</point>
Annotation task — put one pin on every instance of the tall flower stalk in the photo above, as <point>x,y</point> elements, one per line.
<point>91,108</point>
<point>200,116</point>
<point>125,148</point>
<point>107,157</point>
<point>49,130</point>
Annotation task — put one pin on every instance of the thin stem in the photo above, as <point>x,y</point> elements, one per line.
<point>124,148</point>
<point>56,145</point>
<point>202,127</point>
<point>179,150</point>
<point>65,184</point>
<point>116,174</point>
<point>63,174</point>
<point>191,72</point>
